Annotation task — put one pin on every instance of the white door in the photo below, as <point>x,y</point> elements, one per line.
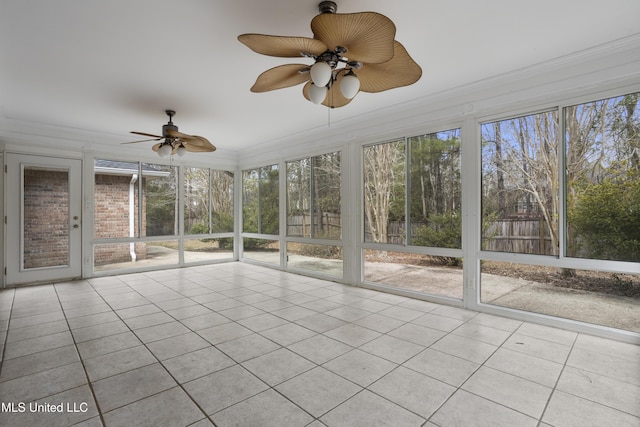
<point>44,223</point>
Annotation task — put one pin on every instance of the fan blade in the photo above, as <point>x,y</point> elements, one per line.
<point>401,70</point>
<point>142,140</point>
<point>368,36</point>
<point>281,46</point>
<point>147,134</point>
<point>199,145</point>
<point>281,77</point>
<point>334,98</point>
<point>192,142</point>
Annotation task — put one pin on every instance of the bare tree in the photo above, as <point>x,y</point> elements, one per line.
<point>383,169</point>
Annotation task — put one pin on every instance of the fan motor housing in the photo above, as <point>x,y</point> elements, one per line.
<point>168,127</point>
<point>328,7</point>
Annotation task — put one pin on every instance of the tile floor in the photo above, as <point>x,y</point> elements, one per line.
<point>241,345</point>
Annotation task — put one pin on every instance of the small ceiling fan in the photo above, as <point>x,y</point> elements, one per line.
<point>352,51</point>
<point>175,142</point>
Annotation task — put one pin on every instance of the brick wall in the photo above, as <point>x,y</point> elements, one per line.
<point>46,220</point>
<point>111,213</point>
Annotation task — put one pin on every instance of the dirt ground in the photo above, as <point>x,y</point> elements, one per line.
<point>624,285</point>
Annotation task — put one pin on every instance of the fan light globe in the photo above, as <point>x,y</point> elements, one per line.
<point>320,73</point>
<point>181,150</point>
<point>165,150</point>
<point>349,86</point>
<point>317,94</point>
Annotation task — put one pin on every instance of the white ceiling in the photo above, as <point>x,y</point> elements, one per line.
<point>109,67</point>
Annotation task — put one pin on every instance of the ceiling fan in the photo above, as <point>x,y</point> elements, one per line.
<point>175,142</point>
<point>352,51</point>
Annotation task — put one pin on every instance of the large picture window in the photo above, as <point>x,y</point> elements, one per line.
<point>520,185</point>
<point>160,188</point>
<point>603,179</point>
<point>589,209</point>
<point>260,200</point>
<point>435,191</point>
<point>314,197</point>
<point>384,192</point>
<point>412,199</point>
<point>208,201</point>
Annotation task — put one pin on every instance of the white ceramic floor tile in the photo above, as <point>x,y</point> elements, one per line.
<point>442,366</point>
<point>617,394</point>
<point>38,362</point>
<point>537,347</point>
<point>171,408</point>
<point>517,393</point>
<point>175,346</point>
<point>224,332</point>
<point>413,391</point>
<point>278,366</point>
<point>267,409</point>
<point>245,342</point>
<point>127,387</point>
<point>558,336</point>
<point>360,367</point>
<point>417,334</point>
<point>622,369</point>
<point>352,335</point>
<point>391,348</point>
<point>287,334</point>
<point>118,362</point>
<point>219,390</point>
<point>568,410</point>
<point>320,348</point>
<point>466,409</point>
<point>318,391</point>
<point>525,366</point>
<point>247,347</point>
<point>196,364</point>
<point>367,409</point>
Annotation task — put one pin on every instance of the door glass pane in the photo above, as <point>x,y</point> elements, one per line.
<point>46,217</point>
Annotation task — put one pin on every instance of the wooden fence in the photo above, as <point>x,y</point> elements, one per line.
<point>328,224</point>
<point>528,236</point>
<point>525,236</point>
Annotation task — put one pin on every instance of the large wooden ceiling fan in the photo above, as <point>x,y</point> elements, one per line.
<point>353,52</point>
<point>174,142</point>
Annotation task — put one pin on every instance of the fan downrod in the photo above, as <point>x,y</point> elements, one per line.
<point>328,7</point>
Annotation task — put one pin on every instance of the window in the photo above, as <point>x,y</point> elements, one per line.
<point>603,179</point>
<point>520,185</point>
<point>314,197</point>
<point>160,190</point>
<point>434,192</point>
<point>116,199</point>
<point>524,193</point>
<point>384,193</point>
<point>412,199</point>
<point>260,200</point>
<point>208,201</point>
